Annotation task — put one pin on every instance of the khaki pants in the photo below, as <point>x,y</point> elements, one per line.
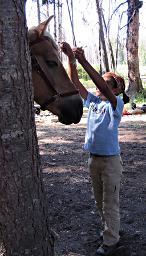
<point>106,174</point>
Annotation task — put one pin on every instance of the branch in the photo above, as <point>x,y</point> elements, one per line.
<point>115,11</point>
<point>129,20</point>
<point>137,7</point>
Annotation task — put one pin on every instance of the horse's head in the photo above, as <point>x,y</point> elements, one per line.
<point>53,89</point>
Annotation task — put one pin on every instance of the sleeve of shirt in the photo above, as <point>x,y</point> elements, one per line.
<point>91,98</point>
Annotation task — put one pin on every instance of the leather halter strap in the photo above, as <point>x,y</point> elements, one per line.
<point>36,66</point>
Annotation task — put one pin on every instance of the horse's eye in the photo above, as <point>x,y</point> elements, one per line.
<point>51,63</point>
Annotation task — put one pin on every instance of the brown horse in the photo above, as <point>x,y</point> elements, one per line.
<point>53,89</point>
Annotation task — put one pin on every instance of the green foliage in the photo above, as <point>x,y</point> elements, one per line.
<point>88,83</point>
<point>83,74</point>
<point>141,97</point>
<point>121,57</point>
<point>142,54</point>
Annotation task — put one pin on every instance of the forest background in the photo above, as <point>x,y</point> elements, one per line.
<point>77,22</point>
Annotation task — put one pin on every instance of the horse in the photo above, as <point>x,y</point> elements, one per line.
<point>53,90</point>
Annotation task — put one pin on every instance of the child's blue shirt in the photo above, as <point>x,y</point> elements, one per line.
<point>102,126</point>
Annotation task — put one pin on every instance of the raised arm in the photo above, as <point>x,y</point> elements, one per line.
<point>73,70</point>
<point>94,75</point>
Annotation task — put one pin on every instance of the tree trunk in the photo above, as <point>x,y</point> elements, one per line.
<point>48,12</point>
<point>39,12</point>
<point>109,45</point>
<point>101,36</point>
<point>23,205</point>
<point>71,17</point>
<point>60,24</point>
<point>117,40</point>
<point>100,59</point>
<point>55,27</point>
<point>135,84</point>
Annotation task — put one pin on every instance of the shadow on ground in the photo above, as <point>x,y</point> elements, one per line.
<point>72,211</point>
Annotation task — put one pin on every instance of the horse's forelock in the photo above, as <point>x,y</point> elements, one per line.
<point>32,34</point>
<point>33,30</point>
<point>46,33</point>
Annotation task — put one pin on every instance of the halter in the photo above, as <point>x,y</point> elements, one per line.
<point>36,66</point>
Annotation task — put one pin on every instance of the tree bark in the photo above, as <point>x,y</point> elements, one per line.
<point>23,206</point>
<point>135,84</point>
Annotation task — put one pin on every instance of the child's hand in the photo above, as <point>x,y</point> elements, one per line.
<point>79,54</point>
<point>65,47</point>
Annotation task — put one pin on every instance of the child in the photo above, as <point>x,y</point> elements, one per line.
<point>101,141</point>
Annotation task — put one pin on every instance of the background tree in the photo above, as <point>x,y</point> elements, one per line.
<point>57,12</point>
<point>71,18</point>
<point>39,13</point>
<point>104,41</point>
<point>24,225</point>
<point>109,46</point>
<point>101,36</point>
<point>135,84</point>
<point>60,33</point>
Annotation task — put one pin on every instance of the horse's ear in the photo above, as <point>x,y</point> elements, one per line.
<point>42,26</point>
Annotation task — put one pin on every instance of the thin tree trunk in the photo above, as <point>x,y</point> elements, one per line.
<point>100,59</point>
<point>71,17</point>
<point>47,7</point>
<point>39,12</point>
<point>48,13</point>
<point>135,84</point>
<point>109,45</point>
<point>55,27</point>
<point>24,226</point>
<point>60,23</point>
<point>117,41</point>
<point>102,39</point>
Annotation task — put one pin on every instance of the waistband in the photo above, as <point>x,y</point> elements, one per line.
<point>96,155</point>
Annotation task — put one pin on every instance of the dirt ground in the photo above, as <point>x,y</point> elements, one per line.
<point>72,211</point>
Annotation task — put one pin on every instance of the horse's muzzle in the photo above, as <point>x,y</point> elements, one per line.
<point>71,114</point>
